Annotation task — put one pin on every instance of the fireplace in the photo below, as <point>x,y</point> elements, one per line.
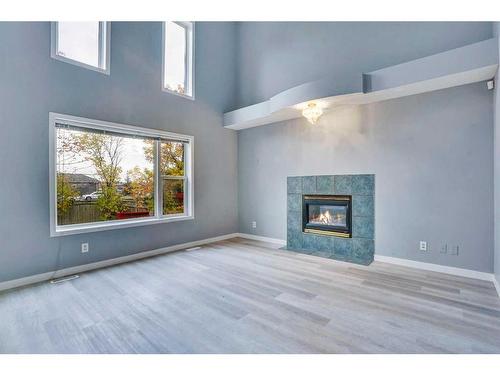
<point>327,215</point>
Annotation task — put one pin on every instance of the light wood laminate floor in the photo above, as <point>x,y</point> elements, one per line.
<point>242,296</point>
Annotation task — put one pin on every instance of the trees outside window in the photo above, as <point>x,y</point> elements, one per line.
<point>136,176</point>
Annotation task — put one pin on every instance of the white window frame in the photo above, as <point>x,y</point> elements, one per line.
<point>188,61</point>
<point>104,48</point>
<point>158,218</point>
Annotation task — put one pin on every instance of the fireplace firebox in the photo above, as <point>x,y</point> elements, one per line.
<point>327,215</point>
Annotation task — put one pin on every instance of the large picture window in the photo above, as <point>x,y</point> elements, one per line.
<point>178,57</point>
<point>106,175</point>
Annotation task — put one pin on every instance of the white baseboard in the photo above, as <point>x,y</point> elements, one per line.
<point>404,262</point>
<point>436,267</point>
<point>109,262</point>
<point>145,254</point>
<point>261,238</point>
<point>497,285</point>
<point>10,284</point>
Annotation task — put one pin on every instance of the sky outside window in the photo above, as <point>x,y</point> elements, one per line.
<point>175,58</point>
<point>79,41</point>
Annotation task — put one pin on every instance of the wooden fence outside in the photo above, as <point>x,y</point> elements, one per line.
<point>80,212</point>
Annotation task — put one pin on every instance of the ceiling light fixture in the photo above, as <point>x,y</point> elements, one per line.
<point>312,113</point>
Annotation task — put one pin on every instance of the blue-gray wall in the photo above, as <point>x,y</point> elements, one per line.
<point>430,153</point>
<point>32,84</point>
<point>274,56</point>
<point>496,155</point>
<point>432,159</point>
<point>428,150</point>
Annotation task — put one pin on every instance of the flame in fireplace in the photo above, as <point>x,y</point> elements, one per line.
<point>325,218</point>
<point>329,218</point>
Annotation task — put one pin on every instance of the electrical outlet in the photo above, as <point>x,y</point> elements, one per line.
<point>254,224</point>
<point>444,249</point>
<point>85,247</point>
<point>423,246</point>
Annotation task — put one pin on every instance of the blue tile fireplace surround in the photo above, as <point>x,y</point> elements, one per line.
<point>359,190</point>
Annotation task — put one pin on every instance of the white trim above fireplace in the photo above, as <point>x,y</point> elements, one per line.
<point>460,66</point>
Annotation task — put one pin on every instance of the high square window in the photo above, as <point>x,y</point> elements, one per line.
<point>178,57</point>
<point>85,44</point>
<point>106,175</point>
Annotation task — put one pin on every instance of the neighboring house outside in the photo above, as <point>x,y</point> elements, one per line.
<point>120,187</point>
<point>81,182</point>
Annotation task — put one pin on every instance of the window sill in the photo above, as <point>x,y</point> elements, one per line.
<point>185,96</point>
<point>81,64</point>
<point>121,224</point>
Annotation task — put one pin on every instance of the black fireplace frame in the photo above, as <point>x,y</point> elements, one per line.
<point>333,200</point>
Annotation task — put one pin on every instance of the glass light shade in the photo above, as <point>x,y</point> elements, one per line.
<point>312,113</point>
